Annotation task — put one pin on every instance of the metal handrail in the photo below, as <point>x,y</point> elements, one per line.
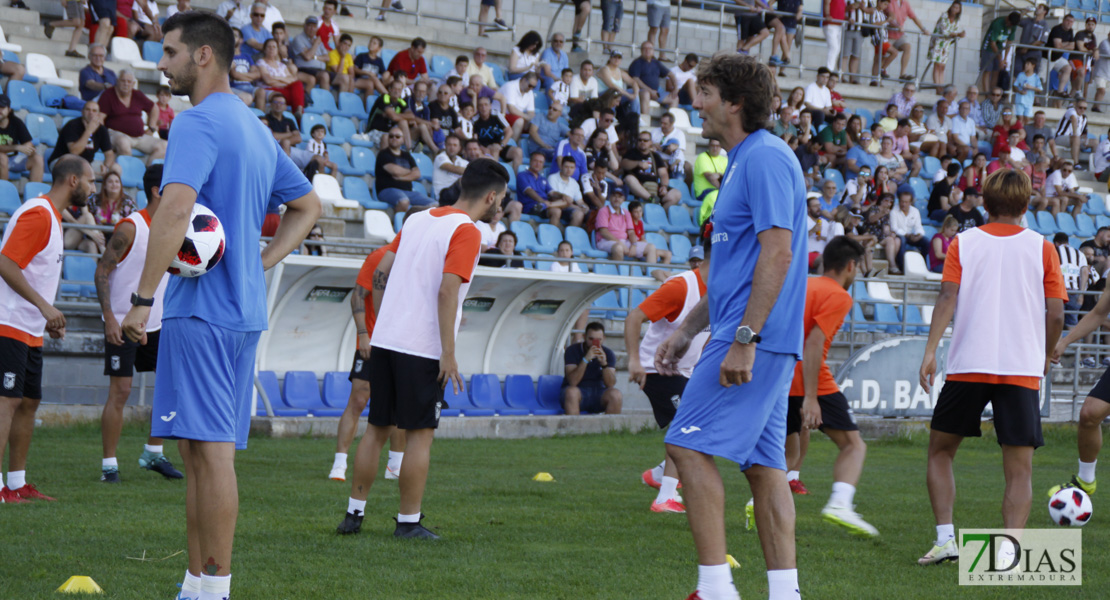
<point>370,8</point>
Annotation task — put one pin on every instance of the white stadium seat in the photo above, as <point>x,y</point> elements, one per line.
<point>682,121</point>
<point>377,228</point>
<point>327,188</point>
<point>4,45</point>
<point>915,267</point>
<point>42,66</point>
<point>127,51</point>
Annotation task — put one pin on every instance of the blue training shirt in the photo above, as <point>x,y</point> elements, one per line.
<point>762,189</point>
<point>225,153</point>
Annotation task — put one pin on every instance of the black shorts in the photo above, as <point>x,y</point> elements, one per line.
<point>123,361</point>
<point>310,70</point>
<point>103,9</point>
<point>664,392</point>
<point>748,25</point>
<point>360,369</point>
<point>20,370</point>
<point>591,398</point>
<point>1017,414</point>
<point>1102,388</point>
<point>580,5</point>
<point>406,393</point>
<point>835,413</point>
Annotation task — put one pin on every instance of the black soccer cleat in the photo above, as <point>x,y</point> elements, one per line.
<point>162,466</point>
<point>110,475</point>
<point>352,523</point>
<point>414,531</point>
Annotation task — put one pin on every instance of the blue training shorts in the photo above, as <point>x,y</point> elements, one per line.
<point>743,423</point>
<point>202,390</point>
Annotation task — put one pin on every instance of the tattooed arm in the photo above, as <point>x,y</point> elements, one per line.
<point>381,277</point>
<point>358,311</point>
<point>117,247</point>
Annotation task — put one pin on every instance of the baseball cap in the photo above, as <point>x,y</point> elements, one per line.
<point>617,53</point>
<point>5,102</point>
<point>1092,20</point>
<point>697,252</point>
<point>855,214</point>
<point>311,20</point>
<point>616,189</point>
<point>812,195</point>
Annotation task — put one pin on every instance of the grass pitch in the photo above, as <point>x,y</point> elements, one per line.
<point>588,535</point>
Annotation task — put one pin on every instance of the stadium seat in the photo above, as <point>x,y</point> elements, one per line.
<point>526,237</point>
<point>916,268</point>
<point>886,317</point>
<point>269,384</point>
<point>499,73</point>
<point>377,227</point>
<point>152,51</point>
<point>455,402</point>
<point>521,393</point>
<point>363,158</point>
<point>550,392</point>
<point>1066,223</point>
<point>469,407</point>
<point>52,94</point>
<point>929,167</point>
<point>78,271</point>
<point>343,128</point>
<point>655,218</point>
<point>140,199</point>
<point>1102,221</point>
<point>42,129</point>
<point>682,122</point>
<point>425,165</point>
<point>859,322</point>
<point>338,155</point>
<point>1085,225</point>
<point>42,67</point>
<point>6,45</point>
<point>337,389</point>
<point>310,120</point>
<point>835,175</point>
<point>913,317</point>
<point>580,241</point>
<point>656,240</point>
<point>301,390</point>
<point>24,96</point>
<point>606,269</point>
<point>388,54</point>
<point>920,188</point>
<point>681,221</point>
<point>34,189</point>
<point>1095,205</point>
<point>322,102</point>
<point>1045,223</point>
<point>133,170</point>
<point>879,291</point>
<point>327,188</point>
<point>350,105</point>
<point>680,249</point>
<point>485,392</point>
<point>512,177</point>
<point>440,66</point>
<point>125,50</point>
<point>859,291</point>
<point>687,195</point>
<point>550,237</point>
<point>398,221</point>
<point>607,304</point>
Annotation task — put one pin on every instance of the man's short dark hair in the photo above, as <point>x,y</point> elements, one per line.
<point>1013,18</point>
<point>1038,136</point>
<point>418,43</point>
<point>273,28</point>
<point>953,169</point>
<point>452,80</point>
<point>691,57</point>
<point>68,164</point>
<point>1101,229</point>
<point>152,179</point>
<point>667,116</point>
<point>745,81</point>
<point>840,251</point>
<point>346,37</point>
<point>609,111</point>
<point>481,177</point>
<point>634,205</point>
<point>462,58</point>
<point>586,62</point>
<point>822,71</point>
<point>1060,238</point>
<point>204,29</point>
<point>903,122</point>
<point>566,158</point>
<point>594,326</point>
<point>840,117</point>
<point>334,3</point>
<point>509,233</point>
<point>537,151</point>
<point>567,70</point>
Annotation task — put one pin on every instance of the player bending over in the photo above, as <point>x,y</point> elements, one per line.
<point>1007,284</point>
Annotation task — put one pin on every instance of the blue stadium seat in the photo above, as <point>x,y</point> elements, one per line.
<point>1085,225</point>
<point>656,239</point>
<point>606,269</point>
<point>34,189</point>
<point>343,128</point>
<point>338,155</point>
<point>152,51</point>
<point>542,104</point>
<point>930,231</point>
<point>485,392</point>
<point>886,315</point>
<point>859,291</point>
<point>1095,204</point>
<point>269,382</point>
<point>133,170</point>
<point>835,175</point>
<point>141,199</point>
<point>79,269</point>
<point>580,241</point>
<point>498,74</point>
<point>512,176</point>
<point>860,322</point>
<point>363,158</point>
<point>425,165</point>
<point>1102,221</point>
<point>1066,223</point>
<point>337,389</point>
<point>525,236</point>
<point>607,304</point>
<point>355,188</point>
<point>681,221</point>
<point>655,218</point>
<point>920,188</point>
<point>24,96</point>
<point>1045,223</point>
<point>387,55</point>
<point>521,393</point>
<point>462,401</point>
<point>550,392</point>
<point>913,317</point>
<point>440,66</point>
<point>550,236</point>
<point>454,402</point>
<point>680,249</point>
<point>42,129</point>
<point>50,94</point>
<point>929,167</point>
<point>351,105</point>
<point>322,102</point>
<point>302,391</point>
<point>687,194</point>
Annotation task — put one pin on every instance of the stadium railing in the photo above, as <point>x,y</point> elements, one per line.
<point>372,7</point>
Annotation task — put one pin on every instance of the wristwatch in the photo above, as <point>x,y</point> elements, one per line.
<point>137,300</point>
<point>745,335</point>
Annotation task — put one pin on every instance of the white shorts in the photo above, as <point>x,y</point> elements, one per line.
<point>1100,83</point>
<point>147,144</point>
<point>1060,63</point>
<point>636,250</point>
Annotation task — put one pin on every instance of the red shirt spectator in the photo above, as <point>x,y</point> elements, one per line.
<point>837,12</point>
<point>411,62</point>
<point>125,118</point>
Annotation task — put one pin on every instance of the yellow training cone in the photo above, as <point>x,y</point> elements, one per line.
<point>732,562</point>
<point>80,584</point>
<point>542,476</point>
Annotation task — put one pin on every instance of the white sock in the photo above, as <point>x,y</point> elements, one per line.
<point>1087,470</point>
<point>715,582</point>
<point>945,533</point>
<point>111,463</point>
<point>358,507</point>
<point>191,583</point>
<point>783,584</point>
<point>395,459</point>
<point>16,479</point>
<point>657,471</point>
<point>842,494</point>
<point>1,481</point>
<point>153,449</point>
<point>668,489</point>
<point>215,588</point>
<point>408,518</point>
<point>340,461</point>
<point>793,475</point>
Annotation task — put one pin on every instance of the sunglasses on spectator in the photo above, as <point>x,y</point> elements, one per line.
<point>395,135</point>
<point>263,15</point>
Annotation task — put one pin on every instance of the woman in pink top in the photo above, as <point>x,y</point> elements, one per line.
<point>941,240</point>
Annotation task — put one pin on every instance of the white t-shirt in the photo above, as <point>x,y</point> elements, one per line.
<point>524,60</point>
<point>590,125</point>
<point>525,103</point>
<point>963,128</point>
<point>676,134</point>
<point>441,178</point>
<point>681,77</point>
<point>558,268</point>
<point>586,91</point>
<point>819,97</point>
<point>568,187</point>
<point>140,16</point>
<point>1101,157</point>
<point>489,234</point>
<point>1102,67</point>
<point>1056,179</point>
<point>818,241</point>
<point>560,92</point>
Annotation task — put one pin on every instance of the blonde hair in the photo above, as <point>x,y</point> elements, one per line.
<point>950,221</point>
<point>1006,193</point>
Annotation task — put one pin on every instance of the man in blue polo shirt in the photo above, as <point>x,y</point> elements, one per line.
<point>222,157</point>
<point>736,401</point>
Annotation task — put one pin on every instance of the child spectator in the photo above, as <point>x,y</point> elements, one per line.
<point>317,147</point>
<point>1026,85</point>
<point>939,244</point>
<point>566,252</point>
<point>165,113</point>
<point>636,211</point>
<point>560,90</point>
<point>342,65</point>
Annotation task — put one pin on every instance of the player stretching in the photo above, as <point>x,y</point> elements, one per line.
<point>31,267</point>
<point>735,403</point>
<point>995,354</point>
<point>221,156</point>
<point>362,309</point>
<point>665,309</point>
<point>815,400</point>
<point>117,275</point>
<point>413,346</point>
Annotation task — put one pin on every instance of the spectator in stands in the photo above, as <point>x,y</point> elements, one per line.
<point>520,104</point>
<point>709,168</point>
<point>328,31</point>
<point>963,137</point>
<point>478,66</point>
<point>341,65</point>
<point>904,99</point>
<point>90,241</point>
<point>419,116</point>
<point>583,87</point>
<point>974,173</point>
<point>944,194</point>
<point>255,33</point>
<point>818,100</point>
<point>449,166</point>
<point>812,161</point>
<point>1101,72</point>
<point>551,130</point>
<point>559,93</point>
<point>615,232</point>
<point>281,36</point>
<point>1038,178</point>
<point>411,62</point>
<point>784,126</point>
<point>310,56</point>
<point>860,157</point>
<point>506,246</point>
<point>553,61</point>
<point>483,14</point>
<point>877,223</point>
<point>1026,85</point>
<point>319,150</point>
<point>1076,277</point>
<point>1041,128</point>
<point>595,185</point>
<point>245,75</point>
<point>525,55</point>
<point>834,141</point>
<point>1061,37</point>
<point>837,100</point>
<point>945,34</point>
<point>647,72</point>
<point>494,134</point>
<point>462,63</point>
<point>165,112</point>
<point>600,148</point>
<point>1000,33</point>
<point>389,111</point>
<point>1099,247</point>
<point>850,222</point>
<point>1034,32</point>
<point>918,129</point>
<point>123,106</point>
<point>492,230</point>
<point>111,204</point>
<point>992,109</point>
<point>103,14</point>
<point>938,124</point>
<point>1014,140</point>
<point>938,246</point>
<point>281,77</point>
<point>905,222</point>
<point>827,199</point>
<point>1100,160</point>
<point>682,81</point>
<point>857,191</point>
<point>904,148</point>
<point>819,228</point>
<point>143,24</point>
<point>74,12</point>
<point>1061,190</point>
<point>477,89</point>
<point>612,13</point>
<point>236,12</point>
<point>616,78</point>
<point>87,136</point>
<point>805,128</point>
<point>565,251</point>
<point>443,118</point>
<point>574,146</point>
<point>667,134</point>
<point>890,121</point>
<point>95,77</point>
<point>1084,42</point>
<point>394,172</point>
<point>563,190</point>
<point>796,100</point>
<point>286,133</point>
<point>394,4</point>
<point>371,75</point>
<point>1071,132</point>
<point>590,375</point>
<point>835,13</point>
<point>17,151</point>
<point>967,211</point>
<point>532,193</point>
<point>899,11</point>
<point>646,173</point>
<point>659,23</point>
<point>786,26</point>
<point>636,211</point>
<point>883,183</point>
<point>273,15</point>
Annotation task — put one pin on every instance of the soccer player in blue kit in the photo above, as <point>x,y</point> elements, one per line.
<point>736,401</point>
<point>221,156</point>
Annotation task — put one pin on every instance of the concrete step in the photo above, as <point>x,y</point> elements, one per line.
<point>15,19</point>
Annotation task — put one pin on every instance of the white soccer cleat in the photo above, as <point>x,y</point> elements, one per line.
<point>338,473</point>
<point>849,519</point>
<point>391,474</point>
<point>939,554</point>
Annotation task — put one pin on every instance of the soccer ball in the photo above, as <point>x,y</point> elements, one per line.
<point>203,246</point>
<point>1070,506</point>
